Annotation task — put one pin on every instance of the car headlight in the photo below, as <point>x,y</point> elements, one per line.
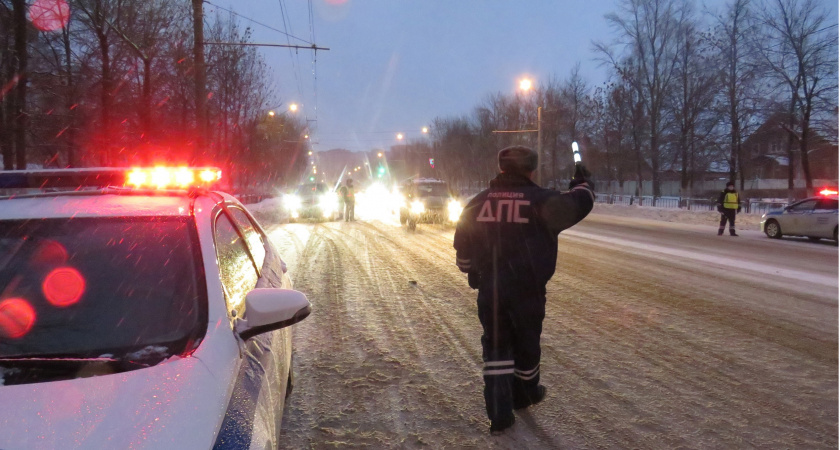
<point>328,204</point>
<point>455,210</point>
<point>292,202</point>
<point>417,207</point>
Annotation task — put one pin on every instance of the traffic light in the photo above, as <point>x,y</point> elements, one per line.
<point>381,171</point>
<point>432,162</point>
<point>311,178</point>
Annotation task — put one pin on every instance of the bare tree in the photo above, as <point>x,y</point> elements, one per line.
<point>799,47</point>
<point>734,28</point>
<point>575,95</point>
<point>692,98</point>
<point>97,16</point>
<point>15,57</point>
<point>649,30</point>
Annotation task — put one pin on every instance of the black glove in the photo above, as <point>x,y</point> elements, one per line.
<point>581,176</point>
<point>739,208</point>
<point>474,279</point>
<point>720,209</point>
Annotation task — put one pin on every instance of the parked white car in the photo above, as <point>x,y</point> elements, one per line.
<point>139,317</point>
<point>814,217</point>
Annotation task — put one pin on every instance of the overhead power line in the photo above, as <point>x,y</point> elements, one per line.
<point>250,44</point>
<point>257,22</point>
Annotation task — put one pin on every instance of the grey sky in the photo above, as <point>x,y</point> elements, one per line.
<point>395,65</point>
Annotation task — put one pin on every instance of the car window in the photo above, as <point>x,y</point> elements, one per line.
<point>253,238</point>
<point>236,268</point>
<point>89,287</point>
<point>312,189</point>
<point>804,206</point>
<point>827,204</point>
<point>432,190</point>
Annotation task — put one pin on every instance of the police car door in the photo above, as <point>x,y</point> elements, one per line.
<point>824,218</point>
<point>800,217</point>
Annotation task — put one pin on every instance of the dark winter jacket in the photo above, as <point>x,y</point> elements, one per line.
<point>509,231</point>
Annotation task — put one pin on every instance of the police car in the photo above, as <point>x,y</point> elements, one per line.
<point>814,217</point>
<point>139,309</point>
<point>428,200</point>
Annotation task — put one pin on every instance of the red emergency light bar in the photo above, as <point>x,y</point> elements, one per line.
<point>827,192</point>
<point>147,178</point>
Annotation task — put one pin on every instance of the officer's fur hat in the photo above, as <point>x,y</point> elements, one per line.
<point>730,183</point>
<point>518,159</point>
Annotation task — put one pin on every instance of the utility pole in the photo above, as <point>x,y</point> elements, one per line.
<point>200,82</point>
<point>539,145</point>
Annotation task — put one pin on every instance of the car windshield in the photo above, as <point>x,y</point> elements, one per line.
<point>100,288</point>
<point>312,189</point>
<point>432,190</point>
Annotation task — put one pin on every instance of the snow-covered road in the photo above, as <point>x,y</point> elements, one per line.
<point>657,335</point>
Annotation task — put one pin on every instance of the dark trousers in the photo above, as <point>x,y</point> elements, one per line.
<point>349,209</point>
<point>727,215</point>
<point>512,326</point>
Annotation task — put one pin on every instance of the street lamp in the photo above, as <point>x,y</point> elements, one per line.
<point>425,130</point>
<point>293,108</point>
<point>400,136</point>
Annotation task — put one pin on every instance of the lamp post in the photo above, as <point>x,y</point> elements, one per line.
<point>292,108</point>
<point>526,85</point>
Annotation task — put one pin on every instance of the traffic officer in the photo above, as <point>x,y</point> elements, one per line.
<point>506,241</point>
<point>348,196</point>
<point>728,205</point>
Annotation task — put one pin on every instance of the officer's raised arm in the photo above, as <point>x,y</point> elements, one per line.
<point>563,210</point>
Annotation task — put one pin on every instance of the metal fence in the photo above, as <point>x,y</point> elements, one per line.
<point>751,206</point>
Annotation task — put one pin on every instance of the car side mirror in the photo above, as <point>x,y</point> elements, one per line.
<point>272,309</point>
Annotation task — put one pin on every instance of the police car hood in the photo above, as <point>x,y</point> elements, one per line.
<point>175,404</point>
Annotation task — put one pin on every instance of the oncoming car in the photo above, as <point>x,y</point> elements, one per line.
<point>428,200</point>
<point>139,317</point>
<point>814,217</point>
<point>312,200</point>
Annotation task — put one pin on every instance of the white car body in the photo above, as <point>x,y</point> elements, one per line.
<point>814,217</point>
<point>228,392</point>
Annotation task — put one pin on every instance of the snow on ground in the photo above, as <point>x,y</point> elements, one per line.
<point>643,347</point>
<point>711,218</point>
<point>272,211</point>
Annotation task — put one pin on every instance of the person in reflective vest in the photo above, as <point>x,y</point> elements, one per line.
<point>728,205</point>
<point>349,200</point>
<point>506,241</point>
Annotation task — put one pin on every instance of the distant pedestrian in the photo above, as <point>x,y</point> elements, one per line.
<point>506,242</point>
<point>348,197</point>
<point>728,205</point>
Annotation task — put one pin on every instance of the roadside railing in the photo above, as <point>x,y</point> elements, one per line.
<point>751,206</point>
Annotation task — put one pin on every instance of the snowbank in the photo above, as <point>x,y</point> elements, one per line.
<point>269,211</point>
<point>710,218</point>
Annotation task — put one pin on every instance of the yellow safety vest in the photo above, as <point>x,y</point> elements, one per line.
<point>730,201</point>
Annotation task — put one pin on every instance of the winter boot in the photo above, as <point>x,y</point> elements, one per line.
<point>732,233</point>
<point>524,401</point>
<point>498,427</point>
